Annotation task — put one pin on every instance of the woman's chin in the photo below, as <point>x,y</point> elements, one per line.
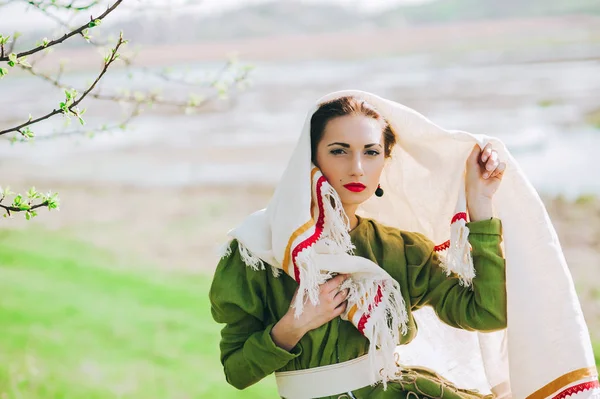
<point>351,198</point>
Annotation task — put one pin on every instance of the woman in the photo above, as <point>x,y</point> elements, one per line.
<point>329,324</point>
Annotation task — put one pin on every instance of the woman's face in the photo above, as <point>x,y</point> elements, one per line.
<point>351,157</point>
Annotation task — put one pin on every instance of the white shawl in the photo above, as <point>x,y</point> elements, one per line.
<point>544,353</point>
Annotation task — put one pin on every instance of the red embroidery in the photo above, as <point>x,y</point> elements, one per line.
<point>585,386</point>
<point>365,317</point>
<point>316,235</point>
<point>443,246</point>
<point>459,216</point>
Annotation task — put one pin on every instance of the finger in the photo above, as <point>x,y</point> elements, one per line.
<point>486,152</point>
<point>499,171</point>
<point>493,160</point>
<point>334,283</point>
<point>492,163</point>
<point>340,297</point>
<point>340,309</point>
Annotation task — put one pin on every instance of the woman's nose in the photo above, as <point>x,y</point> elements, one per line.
<point>357,169</point>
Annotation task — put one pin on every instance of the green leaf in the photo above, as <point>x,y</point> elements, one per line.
<point>45,41</point>
<point>11,64</point>
<point>12,57</point>
<point>53,201</point>
<point>3,72</point>
<point>32,193</point>
<point>94,23</point>
<point>24,62</point>
<point>7,192</point>
<point>28,216</point>
<point>17,201</point>
<point>81,120</point>
<point>27,133</point>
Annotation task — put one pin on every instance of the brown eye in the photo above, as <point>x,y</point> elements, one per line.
<point>337,151</point>
<point>372,153</point>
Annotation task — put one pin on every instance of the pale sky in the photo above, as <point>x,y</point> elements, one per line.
<point>16,15</point>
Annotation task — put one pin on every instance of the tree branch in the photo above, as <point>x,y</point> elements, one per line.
<point>70,6</point>
<point>19,205</point>
<point>10,209</point>
<point>101,129</point>
<point>129,62</point>
<point>135,99</point>
<point>66,36</point>
<point>108,61</point>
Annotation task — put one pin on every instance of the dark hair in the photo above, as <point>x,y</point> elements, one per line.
<point>346,106</point>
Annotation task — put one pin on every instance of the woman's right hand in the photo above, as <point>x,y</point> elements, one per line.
<point>332,303</point>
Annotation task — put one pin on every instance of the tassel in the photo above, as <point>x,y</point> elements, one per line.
<point>225,249</point>
<point>249,259</point>
<point>458,258</point>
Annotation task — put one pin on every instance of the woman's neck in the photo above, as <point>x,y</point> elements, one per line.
<point>351,213</point>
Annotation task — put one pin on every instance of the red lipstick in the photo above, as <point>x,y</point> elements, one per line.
<point>355,187</point>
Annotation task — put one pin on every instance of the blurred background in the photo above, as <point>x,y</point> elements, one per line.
<point>190,131</point>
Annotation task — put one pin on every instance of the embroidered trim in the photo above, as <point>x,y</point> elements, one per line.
<point>445,245</point>
<point>564,380</point>
<point>365,317</point>
<point>301,230</point>
<point>442,247</point>
<point>584,386</point>
<point>318,230</point>
<point>459,216</point>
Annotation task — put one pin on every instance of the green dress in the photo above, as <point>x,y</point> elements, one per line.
<point>251,302</point>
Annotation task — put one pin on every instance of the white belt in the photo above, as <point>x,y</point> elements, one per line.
<point>329,380</point>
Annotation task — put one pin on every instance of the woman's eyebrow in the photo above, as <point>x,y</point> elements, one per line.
<point>345,145</point>
<point>340,144</point>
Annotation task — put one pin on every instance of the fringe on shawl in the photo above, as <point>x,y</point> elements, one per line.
<point>335,237</point>
<point>458,257</point>
<point>387,319</point>
<point>387,316</point>
<point>225,249</point>
<point>248,258</point>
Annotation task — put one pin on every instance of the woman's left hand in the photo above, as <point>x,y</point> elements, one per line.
<point>484,173</point>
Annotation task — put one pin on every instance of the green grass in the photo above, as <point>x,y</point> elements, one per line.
<point>75,323</point>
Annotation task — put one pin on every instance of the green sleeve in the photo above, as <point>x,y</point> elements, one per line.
<point>481,307</point>
<point>237,296</point>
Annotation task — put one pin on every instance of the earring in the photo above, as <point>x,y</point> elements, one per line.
<point>379,191</point>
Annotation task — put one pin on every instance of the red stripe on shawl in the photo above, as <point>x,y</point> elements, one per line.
<point>365,317</point>
<point>318,230</point>
<point>585,386</point>
<point>445,245</point>
<point>459,216</point>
